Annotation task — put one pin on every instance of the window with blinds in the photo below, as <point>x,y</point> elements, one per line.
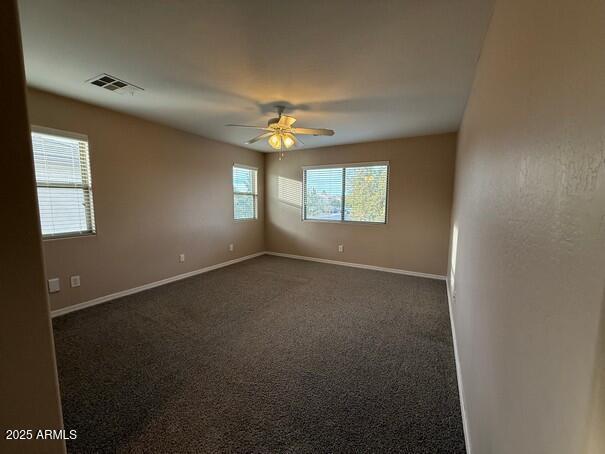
<point>244,192</point>
<point>62,166</point>
<point>346,193</point>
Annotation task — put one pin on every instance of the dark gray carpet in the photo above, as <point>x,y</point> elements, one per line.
<point>269,355</point>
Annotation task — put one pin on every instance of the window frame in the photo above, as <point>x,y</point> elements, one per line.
<point>253,194</point>
<point>75,136</point>
<point>342,220</point>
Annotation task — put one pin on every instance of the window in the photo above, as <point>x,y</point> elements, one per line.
<point>346,193</point>
<point>64,185</point>
<point>244,193</point>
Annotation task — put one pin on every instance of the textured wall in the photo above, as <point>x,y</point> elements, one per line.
<point>29,397</point>
<point>596,431</point>
<point>528,249</point>
<point>416,236</point>
<point>158,192</point>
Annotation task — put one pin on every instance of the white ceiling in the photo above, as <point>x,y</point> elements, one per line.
<point>369,69</point>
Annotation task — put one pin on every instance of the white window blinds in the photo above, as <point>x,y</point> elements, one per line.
<point>64,184</point>
<point>346,193</point>
<point>244,192</point>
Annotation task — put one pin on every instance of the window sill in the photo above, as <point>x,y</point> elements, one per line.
<point>69,236</point>
<point>245,220</point>
<point>327,221</point>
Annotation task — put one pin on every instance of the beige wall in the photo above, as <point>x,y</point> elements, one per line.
<point>528,268</point>
<point>416,236</point>
<point>29,397</point>
<point>596,430</point>
<point>158,192</point>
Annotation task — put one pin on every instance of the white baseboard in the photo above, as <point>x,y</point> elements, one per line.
<point>130,291</point>
<point>359,265</point>
<point>467,439</point>
<point>120,294</point>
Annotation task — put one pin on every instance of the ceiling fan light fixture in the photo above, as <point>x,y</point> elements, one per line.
<point>288,140</point>
<point>275,141</point>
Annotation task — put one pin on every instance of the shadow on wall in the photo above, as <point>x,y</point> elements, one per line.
<point>296,242</point>
<point>289,191</point>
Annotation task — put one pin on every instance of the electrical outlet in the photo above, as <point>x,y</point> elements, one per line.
<point>341,248</point>
<point>231,247</point>
<point>74,281</point>
<point>53,285</point>
<point>182,258</point>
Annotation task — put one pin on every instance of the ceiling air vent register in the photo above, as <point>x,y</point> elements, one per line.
<point>114,84</point>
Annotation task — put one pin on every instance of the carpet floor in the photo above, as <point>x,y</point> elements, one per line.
<point>268,355</point>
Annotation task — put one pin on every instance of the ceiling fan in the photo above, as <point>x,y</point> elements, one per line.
<point>280,133</point>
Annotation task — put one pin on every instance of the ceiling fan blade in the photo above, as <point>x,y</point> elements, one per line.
<point>260,128</point>
<point>259,137</point>
<point>313,131</point>
<point>286,121</point>
<point>297,141</point>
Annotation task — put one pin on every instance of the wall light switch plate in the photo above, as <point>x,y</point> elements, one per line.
<point>231,247</point>
<point>341,248</point>
<point>182,258</point>
<point>53,285</point>
<point>74,281</point>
